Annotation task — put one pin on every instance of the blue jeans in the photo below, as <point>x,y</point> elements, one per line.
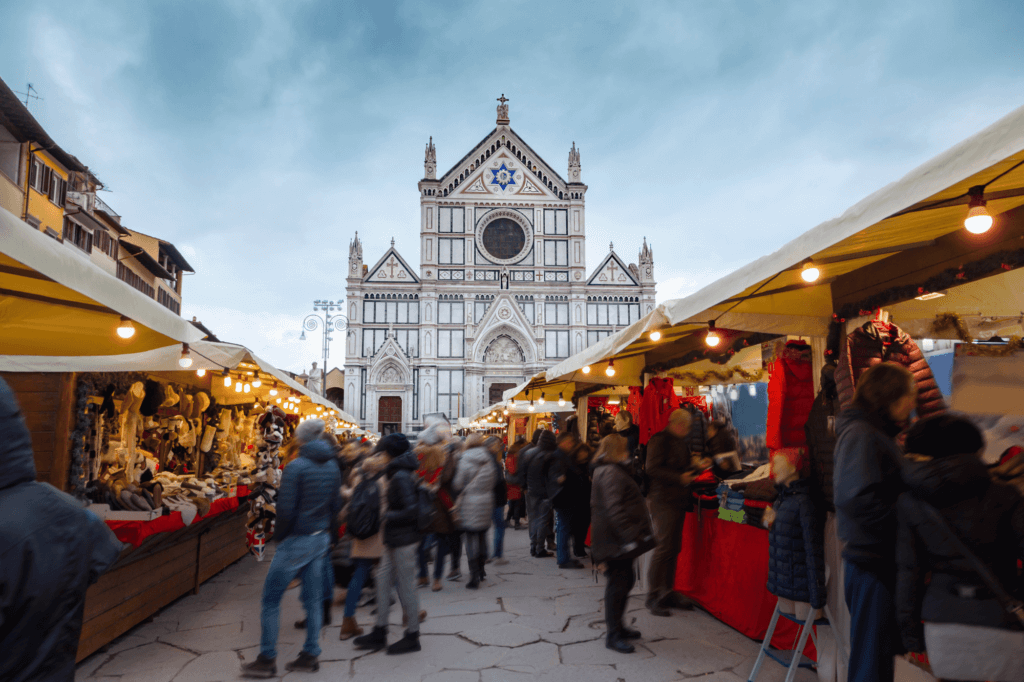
<point>444,545</point>
<point>563,536</point>
<point>328,573</point>
<point>498,520</point>
<point>355,585</point>
<point>873,628</point>
<point>426,543</point>
<point>297,554</point>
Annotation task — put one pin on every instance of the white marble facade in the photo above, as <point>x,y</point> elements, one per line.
<point>501,290</point>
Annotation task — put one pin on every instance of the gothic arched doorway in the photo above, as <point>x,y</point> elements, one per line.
<point>389,414</point>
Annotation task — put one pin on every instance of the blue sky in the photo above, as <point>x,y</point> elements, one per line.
<point>258,136</point>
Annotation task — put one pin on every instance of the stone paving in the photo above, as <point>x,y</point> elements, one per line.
<point>529,621</point>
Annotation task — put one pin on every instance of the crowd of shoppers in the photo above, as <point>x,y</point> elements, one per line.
<point>932,544</point>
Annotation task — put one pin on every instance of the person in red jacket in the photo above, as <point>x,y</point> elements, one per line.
<point>516,502</point>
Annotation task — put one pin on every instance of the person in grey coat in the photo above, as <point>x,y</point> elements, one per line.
<point>51,550</point>
<point>474,485</point>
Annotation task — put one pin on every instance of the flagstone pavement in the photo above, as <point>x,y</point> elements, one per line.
<point>529,621</point>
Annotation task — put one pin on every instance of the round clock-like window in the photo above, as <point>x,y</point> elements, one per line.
<point>504,238</point>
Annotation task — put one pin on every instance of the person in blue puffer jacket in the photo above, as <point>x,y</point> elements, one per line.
<point>796,548</point>
<point>308,501</point>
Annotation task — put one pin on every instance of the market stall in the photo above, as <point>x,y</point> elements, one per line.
<point>935,255</point>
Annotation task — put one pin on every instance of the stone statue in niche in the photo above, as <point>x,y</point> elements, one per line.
<point>503,350</point>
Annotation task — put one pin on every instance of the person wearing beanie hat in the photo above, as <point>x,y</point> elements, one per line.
<point>397,568</point>
<point>943,468</point>
<point>308,502</point>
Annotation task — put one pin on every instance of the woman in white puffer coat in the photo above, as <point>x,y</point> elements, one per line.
<point>474,485</point>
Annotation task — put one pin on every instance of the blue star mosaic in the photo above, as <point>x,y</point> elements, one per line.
<point>503,177</point>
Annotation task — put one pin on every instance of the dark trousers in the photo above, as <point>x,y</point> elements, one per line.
<point>516,510</point>
<point>621,579</point>
<point>540,520</point>
<point>667,516</point>
<point>873,629</point>
<point>579,520</point>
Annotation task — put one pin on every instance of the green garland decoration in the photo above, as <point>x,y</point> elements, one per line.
<point>953,321</point>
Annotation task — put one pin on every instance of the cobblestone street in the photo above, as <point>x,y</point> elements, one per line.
<point>530,621</point>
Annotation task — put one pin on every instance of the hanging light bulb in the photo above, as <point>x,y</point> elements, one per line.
<point>278,401</point>
<point>256,383</point>
<point>712,339</point>
<point>561,400</point>
<point>185,361</point>
<point>586,369</point>
<point>810,272</point>
<point>610,369</point>
<point>247,387</point>
<point>734,394</point>
<point>273,390</point>
<point>511,402</point>
<point>200,372</point>
<point>541,401</point>
<point>978,220</point>
<point>753,390</point>
<point>655,335</point>
<point>238,387</point>
<point>531,406</point>
<point>125,328</point>
<point>505,412</point>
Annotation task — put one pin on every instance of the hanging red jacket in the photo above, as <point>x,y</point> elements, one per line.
<point>659,402</point>
<point>790,397</point>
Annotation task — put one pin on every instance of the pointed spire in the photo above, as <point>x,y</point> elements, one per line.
<point>392,242</point>
<point>430,161</point>
<point>611,246</point>
<point>574,163</point>
<point>355,248</point>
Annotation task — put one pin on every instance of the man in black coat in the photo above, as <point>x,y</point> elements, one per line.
<point>51,550</point>
<point>538,491</point>
<point>397,568</point>
<point>670,468</point>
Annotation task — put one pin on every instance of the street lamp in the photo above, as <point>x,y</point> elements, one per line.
<point>329,322</point>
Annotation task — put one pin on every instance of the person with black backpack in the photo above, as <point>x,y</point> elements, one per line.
<point>362,517</point>
<point>401,529</point>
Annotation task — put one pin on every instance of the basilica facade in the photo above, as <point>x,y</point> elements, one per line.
<point>500,292</point>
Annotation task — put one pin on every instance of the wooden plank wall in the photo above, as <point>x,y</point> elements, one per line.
<point>129,594</point>
<point>47,402</point>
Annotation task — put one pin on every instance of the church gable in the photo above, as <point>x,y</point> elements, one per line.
<point>612,272</point>
<point>391,269</point>
<point>480,171</point>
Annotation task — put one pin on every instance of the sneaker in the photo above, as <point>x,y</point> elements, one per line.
<point>572,563</point>
<point>455,576</point>
<point>422,582</point>
<point>436,587</point>
<point>262,668</point>
<point>617,643</point>
<point>409,643</point>
<point>376,640</point>
<point>305,663</point>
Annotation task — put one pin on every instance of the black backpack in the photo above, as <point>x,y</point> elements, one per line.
<point>426,508</point>
<point>364,509</point>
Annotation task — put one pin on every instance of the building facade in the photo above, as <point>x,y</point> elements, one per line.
<point>500,292</point>
<point>55,193</point>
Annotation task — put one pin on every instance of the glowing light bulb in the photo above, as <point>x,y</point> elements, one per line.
<point>256,383</point>
<point>978,220</point>
<point>810,272</point>
<point>185,361</point>
<point>531,406</point>
<point>610,369</point>
<point>734,394</point>
<point>200,372</point>
<point>712,339</point>
<point>655,335</point>
<point>227,380</point>
<point>586,370</point>
<point>561,400</point>
<point>512,402</point>
<point>247,387</point>
<point>278,401</point>
<point>753,390</point>
<point>238,387</point>
<point>125,329</point>
<point>505,412</point>
<point>541,401</point>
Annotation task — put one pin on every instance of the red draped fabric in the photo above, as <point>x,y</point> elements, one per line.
<point>724,567</point>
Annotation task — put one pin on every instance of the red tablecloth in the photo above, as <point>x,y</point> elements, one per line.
<point>134,532</point>
<point>724,567</point>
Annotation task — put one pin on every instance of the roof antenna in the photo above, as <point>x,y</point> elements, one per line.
<point>29,89</point>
